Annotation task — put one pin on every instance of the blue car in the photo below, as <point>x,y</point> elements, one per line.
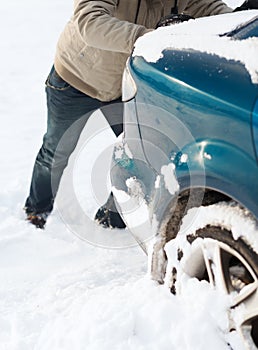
<point>185,173</point>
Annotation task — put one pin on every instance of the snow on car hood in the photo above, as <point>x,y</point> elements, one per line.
<point>202,34</point>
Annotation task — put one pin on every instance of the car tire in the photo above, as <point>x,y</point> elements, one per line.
<point>217,250</point>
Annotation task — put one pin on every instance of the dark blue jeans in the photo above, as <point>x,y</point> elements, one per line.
<point>66,105</point>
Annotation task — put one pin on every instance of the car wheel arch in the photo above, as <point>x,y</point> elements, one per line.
<point>172,219</point>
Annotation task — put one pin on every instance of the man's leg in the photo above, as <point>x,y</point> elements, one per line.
<point>113,112</point>
<point>107,215</point>
<point>66,106</point>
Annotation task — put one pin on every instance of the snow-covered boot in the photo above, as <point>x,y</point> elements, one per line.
<point>39,220</point>
<point>108,216</point>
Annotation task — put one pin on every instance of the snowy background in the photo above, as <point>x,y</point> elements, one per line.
<point>58,291</point>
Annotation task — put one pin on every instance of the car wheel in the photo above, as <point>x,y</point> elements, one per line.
<point>220,247</point>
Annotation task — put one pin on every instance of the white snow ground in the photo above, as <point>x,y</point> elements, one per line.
<point>58,291</point>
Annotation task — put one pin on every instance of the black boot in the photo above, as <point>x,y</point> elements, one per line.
<point>108,216</point>
<point>38,220</point>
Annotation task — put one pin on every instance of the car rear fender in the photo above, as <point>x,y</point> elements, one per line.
<point>220,166</point>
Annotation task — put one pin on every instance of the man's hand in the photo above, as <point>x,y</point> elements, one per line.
<point>247,5</point>
<point>173,19</point>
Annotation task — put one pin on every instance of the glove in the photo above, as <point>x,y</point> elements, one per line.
<point>247,5</point>
<point>173,19</point>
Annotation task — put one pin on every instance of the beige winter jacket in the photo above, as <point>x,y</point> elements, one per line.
<point>93,48</point>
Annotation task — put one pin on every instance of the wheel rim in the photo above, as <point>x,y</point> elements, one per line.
<point>228,272</point>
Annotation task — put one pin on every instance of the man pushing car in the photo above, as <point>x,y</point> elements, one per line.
<point>87,75</point>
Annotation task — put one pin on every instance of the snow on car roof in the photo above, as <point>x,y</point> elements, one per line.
<point>204,34</point>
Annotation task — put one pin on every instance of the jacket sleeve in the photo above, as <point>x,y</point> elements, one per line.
<point>203,8</point>
<point>99,28</point>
